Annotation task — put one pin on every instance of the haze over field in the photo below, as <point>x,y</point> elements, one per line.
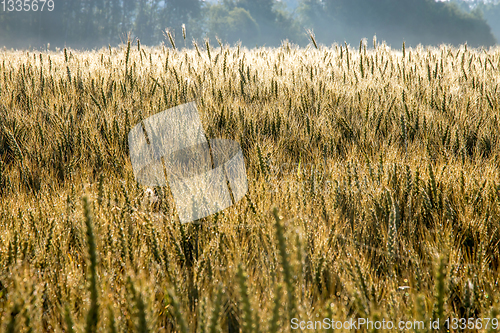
<point>98,23</point>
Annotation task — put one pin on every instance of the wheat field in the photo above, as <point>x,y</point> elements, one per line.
<point>373,175</point>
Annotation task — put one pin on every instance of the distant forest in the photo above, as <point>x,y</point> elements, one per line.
<point>87,24</point>
<point>490,10</point>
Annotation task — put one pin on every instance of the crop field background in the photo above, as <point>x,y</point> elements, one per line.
<point>373,175</point>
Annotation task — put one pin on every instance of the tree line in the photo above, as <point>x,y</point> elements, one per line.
<point>489,10</point>
<point>97,23</point>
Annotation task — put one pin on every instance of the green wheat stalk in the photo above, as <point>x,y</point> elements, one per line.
<point>311,35</point>
<point>285,264</point>
<point>440,289</point>
<point>142,324</point>
<point>174,303</point>
<point>93,313</point>
<point>213,326</point>
<point>171,39</point>
<point>246,309</point>
<point>68,320</point>
<point>274,323</point>
<point>11,324</point>
<point>111,323</point>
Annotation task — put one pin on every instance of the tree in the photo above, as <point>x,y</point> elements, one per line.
<point>312,14</point>
<point>413,21</point>
<point>145,27</point>
<point>253,22</point>
<point>261,10</point>
<point>179,12</point>
<point>232,25</point>
<point>115,19</point>
<point>95,23</point>
<point>491,13</point>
